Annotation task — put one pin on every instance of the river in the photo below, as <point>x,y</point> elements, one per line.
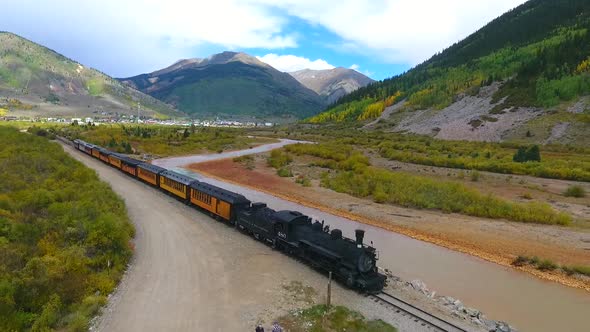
<point>528,303</point>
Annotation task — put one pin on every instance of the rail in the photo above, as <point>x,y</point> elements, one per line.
<point>428,320</point>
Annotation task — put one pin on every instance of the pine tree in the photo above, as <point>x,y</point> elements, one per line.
<point>533,154</point>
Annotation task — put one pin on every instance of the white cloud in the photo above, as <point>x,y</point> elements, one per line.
<point>290,63</point>
<point>120,37</point>
<point>354,66</point>
<point>397,30</point>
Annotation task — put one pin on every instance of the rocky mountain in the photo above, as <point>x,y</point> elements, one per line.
<point>332,84</point>
<point>36,81</point>
<point>229,83</point>
<point>524,77</point>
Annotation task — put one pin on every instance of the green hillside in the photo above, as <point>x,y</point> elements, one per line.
<point>232,84</point>
<point>38,75</point>
<point>540,52</point>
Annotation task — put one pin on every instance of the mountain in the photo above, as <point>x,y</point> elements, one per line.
<point>332,84</point>
<point>524,77</point>
<point>229,83</point>
<point>36,81</point>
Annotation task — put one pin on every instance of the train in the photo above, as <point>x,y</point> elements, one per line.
<point>351,261</point>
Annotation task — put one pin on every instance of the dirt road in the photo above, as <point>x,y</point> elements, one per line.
<point>192,273</point>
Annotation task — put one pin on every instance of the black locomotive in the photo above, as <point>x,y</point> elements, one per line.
<point>351,261</point>
<point>292,232</point>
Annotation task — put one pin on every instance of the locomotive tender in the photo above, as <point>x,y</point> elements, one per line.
<point>351,261</point>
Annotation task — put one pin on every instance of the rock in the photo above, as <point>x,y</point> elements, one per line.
<point>472,312</point>
<point>476,321</point>
<point>502,327</point>
<point>489,324</point>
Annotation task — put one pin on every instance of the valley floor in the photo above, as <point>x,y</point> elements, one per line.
<point>494,240</point>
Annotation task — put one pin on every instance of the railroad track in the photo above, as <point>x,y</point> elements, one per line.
<point>428,320</point>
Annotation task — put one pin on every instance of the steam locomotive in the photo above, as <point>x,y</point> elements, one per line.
<point>351,261</point>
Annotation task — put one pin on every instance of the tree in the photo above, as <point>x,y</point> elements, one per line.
<point>520,155</point>
<point>533,154</point>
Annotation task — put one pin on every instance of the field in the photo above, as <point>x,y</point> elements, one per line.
<point>65,238</point>
<point>162,140</point>
<point>557,161</point>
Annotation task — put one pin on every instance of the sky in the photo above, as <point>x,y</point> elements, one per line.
<point>122,38</point>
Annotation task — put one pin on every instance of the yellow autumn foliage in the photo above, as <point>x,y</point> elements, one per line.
<point>584,66</point>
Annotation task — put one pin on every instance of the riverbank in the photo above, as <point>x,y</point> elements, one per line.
<point>493,240</point>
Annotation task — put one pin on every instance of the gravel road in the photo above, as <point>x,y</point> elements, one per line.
<point>192,273</point>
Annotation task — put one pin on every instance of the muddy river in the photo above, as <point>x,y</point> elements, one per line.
<point>528,303</point>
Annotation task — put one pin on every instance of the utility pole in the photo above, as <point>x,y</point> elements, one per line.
<point>137,113</point>
<point>329,297</point>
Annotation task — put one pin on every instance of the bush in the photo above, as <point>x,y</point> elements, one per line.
<point>422,192</point>
<point>59,227</point>
<point>575,191</point>
<point>279,159</point>
<point>546,265</point>
<point>284,172</point>
<point>303,180</point>
<point>521,261</point>
<point>475,176</point>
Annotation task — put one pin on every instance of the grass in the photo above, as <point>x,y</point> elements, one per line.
<point>575,191</point>
<point>319,318</point>
<point>548,265</point>
<point>557,161</point>
<point>161,140</point>
<point>350,172</point>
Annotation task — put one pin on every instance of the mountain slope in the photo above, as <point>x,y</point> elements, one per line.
<point>531,63</point>
<point>332,84</point>
<point>229,83</point>
<point>46,83</point>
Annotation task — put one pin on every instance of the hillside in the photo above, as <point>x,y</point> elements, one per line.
<point>36,81</point>
<point>522,77</point>
<point>332,84</point>
<point>229,84</point>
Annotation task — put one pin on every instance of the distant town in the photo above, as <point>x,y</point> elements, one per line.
<point>131,119</point>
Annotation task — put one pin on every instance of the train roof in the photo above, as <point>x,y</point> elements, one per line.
<point>152,168</point>
<point>104,151</point>
<point>226,195</point>
<point>288,216</point>
<point>131,161</point>
<point>178,177</point>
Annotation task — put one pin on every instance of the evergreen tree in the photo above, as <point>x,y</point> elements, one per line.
<point>520,155</point>
<point>533,154</point>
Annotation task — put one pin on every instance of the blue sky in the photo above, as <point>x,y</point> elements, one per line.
<point>122,38</point>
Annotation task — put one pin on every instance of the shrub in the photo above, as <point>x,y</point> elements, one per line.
<point>521,261</point>
<point>279,159</point>
<point>575,191</point>
<point>585,270</point>
<point>546,265</point>
<point>422,192</point>
<point>475,176</point>
<point>63,226</point>
<point>303,180</point>
<point>284,172</point>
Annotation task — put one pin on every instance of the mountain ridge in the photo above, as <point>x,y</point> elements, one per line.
<point>332,84</point>
<point>537,58</point>
<point>229,83</point>
<point>50,84</point>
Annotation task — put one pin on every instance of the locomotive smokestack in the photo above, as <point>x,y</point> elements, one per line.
<point>360,234</point>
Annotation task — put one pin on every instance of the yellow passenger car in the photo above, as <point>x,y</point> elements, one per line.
<point>176,184</point>
<point>217,201</point>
